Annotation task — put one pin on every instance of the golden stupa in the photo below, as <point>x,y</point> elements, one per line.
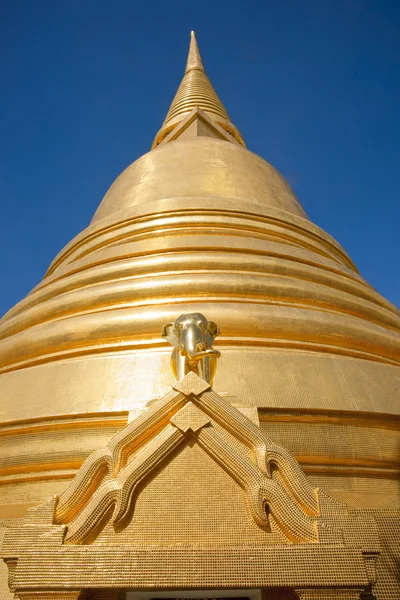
<point>117,481</point>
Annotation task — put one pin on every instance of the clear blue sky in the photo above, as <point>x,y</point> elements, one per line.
<point>313,85</point>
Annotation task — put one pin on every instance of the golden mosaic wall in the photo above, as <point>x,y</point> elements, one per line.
<point>192,494</point>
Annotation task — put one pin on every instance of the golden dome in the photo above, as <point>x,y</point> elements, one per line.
<point>202,167</point>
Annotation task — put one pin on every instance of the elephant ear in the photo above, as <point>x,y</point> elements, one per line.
<point>168,331</point>
<point>213,329</point>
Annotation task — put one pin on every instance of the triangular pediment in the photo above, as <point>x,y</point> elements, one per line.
<point>198,124</point>
<point>274,486</point>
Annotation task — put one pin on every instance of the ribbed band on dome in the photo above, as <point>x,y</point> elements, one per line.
<point>196,91</point>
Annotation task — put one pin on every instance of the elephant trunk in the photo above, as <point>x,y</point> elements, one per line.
<point>195,356</point>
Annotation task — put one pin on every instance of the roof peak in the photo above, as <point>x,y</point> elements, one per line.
<point>194,59</point>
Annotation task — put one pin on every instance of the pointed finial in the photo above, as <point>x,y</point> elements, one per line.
<point>196,92</point>
<point>194,59</point>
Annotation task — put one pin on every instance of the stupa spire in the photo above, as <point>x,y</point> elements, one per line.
<point>196,92</point>
<point>194,59</point>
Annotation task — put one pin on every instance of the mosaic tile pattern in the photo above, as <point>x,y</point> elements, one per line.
<point>171,502</point>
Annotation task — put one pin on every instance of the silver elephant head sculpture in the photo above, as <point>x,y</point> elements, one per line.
<point>192,337</point>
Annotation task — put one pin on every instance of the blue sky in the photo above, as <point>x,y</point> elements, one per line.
<point>313,85</point>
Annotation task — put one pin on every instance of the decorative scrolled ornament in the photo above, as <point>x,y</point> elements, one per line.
<point>192,337</point>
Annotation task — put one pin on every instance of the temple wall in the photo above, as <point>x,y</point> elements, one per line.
<point>265,377</point>
<point>191,501</point>
<point>340,422</point>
